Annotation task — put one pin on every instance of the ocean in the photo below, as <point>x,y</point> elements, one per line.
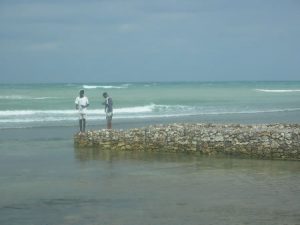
<point>48,105</point>
<point>44,179</point>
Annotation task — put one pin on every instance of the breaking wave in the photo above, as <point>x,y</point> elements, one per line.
<point>106,86</point>
<point>24,97</point>
<point>278,90</point>
<point>147,111</point>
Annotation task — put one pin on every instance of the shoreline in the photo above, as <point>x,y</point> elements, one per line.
<point>264,141</point>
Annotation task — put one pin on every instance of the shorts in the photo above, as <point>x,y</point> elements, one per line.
<point>109,115</point>
<point>82,116</point>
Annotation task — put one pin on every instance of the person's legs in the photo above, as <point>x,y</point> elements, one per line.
<point>83,125</point>
<point>80,125</point>
<point>108,122</point>
<point>82,122</point>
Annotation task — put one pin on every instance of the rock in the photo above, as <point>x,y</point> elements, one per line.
<point>263,141</point>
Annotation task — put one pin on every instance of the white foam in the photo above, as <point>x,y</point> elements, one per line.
<point>105,86</point>
<point>23,97</point>
<point>125,110</point>
<point>278,90</point>
<point>34,112</point>
<point>136,109</point>
<point>148,111</point>
<point>42,98</point>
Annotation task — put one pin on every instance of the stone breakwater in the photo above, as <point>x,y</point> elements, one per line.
<point>277,141</point>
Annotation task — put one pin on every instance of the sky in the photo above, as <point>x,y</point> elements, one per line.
<point>100,41</point>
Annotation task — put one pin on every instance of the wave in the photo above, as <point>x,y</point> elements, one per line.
<point>106,86</point>
<point>278,90</point>
<point>125,110</point>
<point>147,111</point>
<point>35,112</point>
<point>23,97</point>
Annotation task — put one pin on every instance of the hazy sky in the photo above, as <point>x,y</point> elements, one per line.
<point>149,40</point>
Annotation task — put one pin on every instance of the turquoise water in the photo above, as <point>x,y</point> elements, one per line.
<point>53,104</point>
<point>45,180</point>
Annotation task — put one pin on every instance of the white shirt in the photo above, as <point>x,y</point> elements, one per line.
<point>82,102</point>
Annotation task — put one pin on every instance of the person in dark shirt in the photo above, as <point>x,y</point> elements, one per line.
<point>108,109</point>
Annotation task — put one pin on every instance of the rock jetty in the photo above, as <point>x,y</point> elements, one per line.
<point>268,141</point>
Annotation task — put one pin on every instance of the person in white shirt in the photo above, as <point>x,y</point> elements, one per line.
<point>82,103</point>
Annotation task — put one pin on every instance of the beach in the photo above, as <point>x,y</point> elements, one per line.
<point>46,180</point>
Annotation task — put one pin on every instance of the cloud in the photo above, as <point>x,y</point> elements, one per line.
<point>134,36</point>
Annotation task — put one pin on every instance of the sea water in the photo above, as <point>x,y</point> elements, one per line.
<point>43,105</point>
<point>45,180</point>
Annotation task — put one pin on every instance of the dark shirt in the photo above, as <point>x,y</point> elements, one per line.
<point>108,105</point>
